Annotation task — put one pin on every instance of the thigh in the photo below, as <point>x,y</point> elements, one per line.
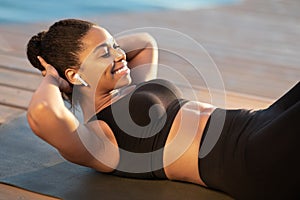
<point>272,154</point>
<point>289,99</point>
<point>280,127</point>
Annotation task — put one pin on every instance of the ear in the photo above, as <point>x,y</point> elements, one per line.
<point>70,75</point>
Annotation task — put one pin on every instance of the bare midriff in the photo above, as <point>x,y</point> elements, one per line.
<point>182,145</point>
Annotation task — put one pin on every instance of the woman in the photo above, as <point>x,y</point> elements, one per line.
<point>128,113</point>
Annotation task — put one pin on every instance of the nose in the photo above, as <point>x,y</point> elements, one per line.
<point>118,54</point>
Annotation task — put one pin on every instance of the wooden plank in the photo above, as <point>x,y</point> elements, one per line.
<point>13,97</point>
<point>18,79</point>
<point>14,38</point>
<point>12,192</point>
<point>241,76</point>
<point>225,99</point>
<point>17,63</point>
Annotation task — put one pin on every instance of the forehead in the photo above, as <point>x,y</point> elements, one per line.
<point>96,35</point>
<point>93,38</point>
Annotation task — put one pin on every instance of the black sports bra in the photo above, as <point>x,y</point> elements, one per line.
<point>141,122</point>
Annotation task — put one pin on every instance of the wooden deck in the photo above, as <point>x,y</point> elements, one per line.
<point>254,44</point>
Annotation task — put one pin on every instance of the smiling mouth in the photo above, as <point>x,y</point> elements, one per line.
<point>119,69</point>
<point>124,68</point>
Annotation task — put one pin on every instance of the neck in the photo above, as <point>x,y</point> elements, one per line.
<point>92,102</point>
<point>101,100</point>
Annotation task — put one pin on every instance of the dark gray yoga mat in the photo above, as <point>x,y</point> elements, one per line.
<point>28,162</point>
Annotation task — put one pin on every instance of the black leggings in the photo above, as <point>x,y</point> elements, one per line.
<point>256,155</point>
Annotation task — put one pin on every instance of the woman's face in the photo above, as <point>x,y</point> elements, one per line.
<point>104,65</point>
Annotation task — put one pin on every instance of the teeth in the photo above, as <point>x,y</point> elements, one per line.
<point>120,70</point>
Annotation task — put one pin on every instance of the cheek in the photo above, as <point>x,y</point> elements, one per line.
<point>96,72</point>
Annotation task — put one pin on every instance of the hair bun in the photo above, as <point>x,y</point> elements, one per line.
<point>34,49</point>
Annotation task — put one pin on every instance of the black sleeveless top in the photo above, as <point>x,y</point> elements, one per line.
<point>141,122</point>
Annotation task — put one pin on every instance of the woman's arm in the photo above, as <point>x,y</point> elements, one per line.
<point>53,122</point>
<point>142,56</point>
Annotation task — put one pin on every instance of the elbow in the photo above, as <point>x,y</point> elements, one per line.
<point>151,41</point>
<point>35,116</point>
<point>146,39</point>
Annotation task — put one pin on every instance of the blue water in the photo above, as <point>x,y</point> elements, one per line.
<point>19,11</point>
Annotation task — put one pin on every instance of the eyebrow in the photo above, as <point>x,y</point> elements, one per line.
<point>105,44</point>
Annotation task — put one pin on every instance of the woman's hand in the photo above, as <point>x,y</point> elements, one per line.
<point>63,85</point>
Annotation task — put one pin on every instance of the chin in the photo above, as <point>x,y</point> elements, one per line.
<point>124,81</point>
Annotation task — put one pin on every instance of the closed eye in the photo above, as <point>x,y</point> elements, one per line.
<point>105,52</point>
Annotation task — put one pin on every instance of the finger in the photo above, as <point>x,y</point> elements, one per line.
<point>44,72</point>
<point>43,62</point>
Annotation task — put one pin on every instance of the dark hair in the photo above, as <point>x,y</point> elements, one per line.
<point>59,46</point>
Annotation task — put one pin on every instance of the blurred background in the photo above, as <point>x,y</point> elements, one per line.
<point>16,11</point>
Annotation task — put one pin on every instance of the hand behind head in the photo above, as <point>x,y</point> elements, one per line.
<point>63,85</point>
